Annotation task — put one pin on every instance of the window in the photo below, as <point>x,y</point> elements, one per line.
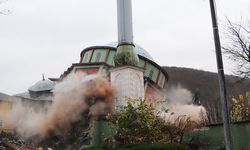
<point>98,57</point>
<point>1,123</point>
<point>151,73</point>
<point>162,81</point>
<point>86,57</point>
<point>111,55</point>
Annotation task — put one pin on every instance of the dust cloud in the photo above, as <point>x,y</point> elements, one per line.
<point>179,102</point>
<point>76,95</point>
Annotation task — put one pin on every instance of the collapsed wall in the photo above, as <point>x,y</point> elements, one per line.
<point>78,99</point>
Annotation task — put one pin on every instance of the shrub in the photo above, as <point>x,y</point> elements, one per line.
<point>138,122</point>
<point>240,107</point>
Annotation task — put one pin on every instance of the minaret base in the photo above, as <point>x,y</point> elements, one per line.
<point>129,82</point>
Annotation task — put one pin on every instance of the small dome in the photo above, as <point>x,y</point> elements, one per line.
<point>139,50</point>
<point>42,85</point>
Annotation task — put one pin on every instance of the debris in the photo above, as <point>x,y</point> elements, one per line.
<point>15,145</point>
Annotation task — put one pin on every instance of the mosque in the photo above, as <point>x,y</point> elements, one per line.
<point>100,59</point>
<point>129,67</point>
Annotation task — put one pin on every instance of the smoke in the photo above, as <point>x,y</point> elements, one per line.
<point>179,103</point>
<point>74,96</point>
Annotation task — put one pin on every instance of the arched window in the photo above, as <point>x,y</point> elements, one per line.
<point>86,57</point>
<point>151,73</point>
<point>98,57</point>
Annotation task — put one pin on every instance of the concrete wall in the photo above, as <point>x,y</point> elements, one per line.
<point>5,107</point>
<point>101,130</point>
<point>128,81</point>
<point>212,138</point>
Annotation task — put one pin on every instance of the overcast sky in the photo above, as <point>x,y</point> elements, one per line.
<point>47,36</point>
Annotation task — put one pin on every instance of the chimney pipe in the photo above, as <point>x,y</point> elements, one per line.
<point>125,54</point>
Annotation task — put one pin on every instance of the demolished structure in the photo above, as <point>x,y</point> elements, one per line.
<point>128,67</point>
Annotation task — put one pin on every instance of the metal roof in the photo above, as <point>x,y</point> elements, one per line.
<point>139,50</point>
<point>42,85</point>
<point>6,97</point>
<point>39,97</point>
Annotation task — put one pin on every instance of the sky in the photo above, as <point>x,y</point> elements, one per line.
<point>47,36</point>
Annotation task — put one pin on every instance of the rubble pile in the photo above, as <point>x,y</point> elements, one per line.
<point>8,141</point>
<point>15,145</point>
<point>76,138</point>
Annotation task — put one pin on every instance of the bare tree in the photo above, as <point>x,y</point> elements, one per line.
<point>238,46</point>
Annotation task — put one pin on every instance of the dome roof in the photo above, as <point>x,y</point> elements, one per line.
<point>42,85</point>
<point>139,50</point>
<point>40,97</point>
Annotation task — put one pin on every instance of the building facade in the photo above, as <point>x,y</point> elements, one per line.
<point>100,59</point>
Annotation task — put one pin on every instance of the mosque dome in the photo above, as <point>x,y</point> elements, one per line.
<point>94,57</point>
<point>138,49</point>
<point>40,91</point>
<point>42,85</point>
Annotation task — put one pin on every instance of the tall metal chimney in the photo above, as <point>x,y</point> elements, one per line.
<point>125,54</point>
